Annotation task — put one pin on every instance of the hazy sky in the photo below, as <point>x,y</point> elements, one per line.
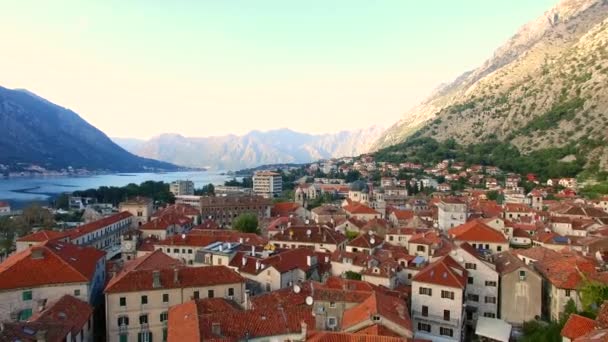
<point>141,68</point>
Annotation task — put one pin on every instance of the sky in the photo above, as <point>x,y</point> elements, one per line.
<point>213,67</point>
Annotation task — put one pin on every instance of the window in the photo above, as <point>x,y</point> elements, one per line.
<point>446,315</point>
<point>144,300</point>
<point>26,295</point>
<point>175,250</point>
<point>446,332</point>
<point>164,316</point>
<point>470,280</point>
<point>332,304</point>
<point>426,291</point>
<point>165,298</point>
<point>76,293</point>
<point>123,301</point>
<point>470,266</point>
<point>144,336</point>
<point>489,314</point>
<point>123,338</point>
<point>25,314</point>
<point>143,319</point>
<point>499,248</point>
<point>424,327</point>
<point>331,322</point>
<point>210,294</point>
<point>189,251</point>
<point>522,275</point>
<point>425,310</point>
<point>420,248</point>
<point>490,300</point>
<point>196,295</point>
<point>230,291</point>
<point>447,294</point>
<point>473,297</point>
<point>123,320</point>
<point>567,292</point>
<point>490,283</point>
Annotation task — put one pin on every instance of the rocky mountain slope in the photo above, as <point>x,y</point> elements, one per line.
<point>232,152</point>
<point>36,131</point>
<point>545,87</point>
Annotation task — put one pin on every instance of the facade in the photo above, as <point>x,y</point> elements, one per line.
<point>182,188</point>
<point>327,213</point>
<point>139,297</point>
<point>38,238</point>
<point>520,289</point>
<point>139,207</point>
<point>223,210</point>
<point>5,208</point>
<point>452,212</point>
<point>320,238</point>
<point>191,200</point>
<point>103,234</point>
<point>438,295</point>
<point>267,184</point>
<point>485,239</point>
<point>45,273</point>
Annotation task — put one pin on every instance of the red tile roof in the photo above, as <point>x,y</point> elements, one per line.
<point>577,326</point>
<point>49,263</point>
<point>205,237</point>
<point>378,303</point>
<point>166,221</point>
<point>284,208</point>
<point>99,224</point>
<point>317,234</point>
<point>476,231</point>
<point>326,336</point>
<point>358,208</point>
<point>404,214</point>
<point>567,272</point>
<point>178,209</point>
<point>141,279</point>
<point>445,272</point>
<point>366,241</point>
<point>43,235</point>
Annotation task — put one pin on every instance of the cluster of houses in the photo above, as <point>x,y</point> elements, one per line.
<point>376,264</point>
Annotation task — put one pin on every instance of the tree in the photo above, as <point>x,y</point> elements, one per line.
<point>63,202</point>
<point>246,223</point>
<point>352,275</point>
<point>593,294</point>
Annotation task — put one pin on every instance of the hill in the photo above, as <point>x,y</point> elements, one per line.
<point>231,152</point>
<point>545,88</point>
<point>34,131</point>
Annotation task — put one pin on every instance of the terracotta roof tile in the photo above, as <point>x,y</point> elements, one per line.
<point>43,235</point>
<point>445,272</point>
<point>476,231</point>
<point>95,225</point>
<point>577,326</point>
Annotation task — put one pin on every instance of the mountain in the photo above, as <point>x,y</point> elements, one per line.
<point>546,87</point>
<point>36,131</point>
<point>255,148</point>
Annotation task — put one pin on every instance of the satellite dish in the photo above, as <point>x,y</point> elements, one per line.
<point>371,232</point>
<point>309,300</point>
<point>184,236</point>
<point>460,259</point>
<point>296,289</point>
<point>372,241</point>
<point>308,232</point>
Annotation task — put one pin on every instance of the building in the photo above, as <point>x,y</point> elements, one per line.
<point>45,273</point>
<point>230,190</point>
<point>191,200</point>
<point>438,301</point>
<point>40,237</point>
<point>328,213</point>
<point>166,226</point>
<point>520,289</point>
<point>451,213</point>
<point>223,210</point>
<point>182,188</point>
<point>66,319</point>
<point>5,208</point>
<point>103,234</point>
<point>320,238</point>
<point>138,298</point>
<point>485,239</point>
<point>139,207</point>
<point>267,184</point>
<point>361,211</point>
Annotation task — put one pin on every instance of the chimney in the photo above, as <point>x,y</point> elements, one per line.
<point>309,260</point>
<point>304,327</point>
<point>252,250</point>
<point>156,279</point>
<point>176,275</point>
<point>37,252</point>
<point>41,335</point>
<point>216,329</point>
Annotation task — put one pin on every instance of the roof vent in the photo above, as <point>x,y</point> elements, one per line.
<point>216,329</point>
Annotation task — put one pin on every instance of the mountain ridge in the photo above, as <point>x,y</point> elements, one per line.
<point>254,148</point>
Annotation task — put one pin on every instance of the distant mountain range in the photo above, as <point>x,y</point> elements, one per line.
<point>36,131</point>
<point>546,87</point>
<point>232,152</point>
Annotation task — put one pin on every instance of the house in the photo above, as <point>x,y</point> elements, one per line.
<point>577,326</point>
<point>359,191</point>
<point>287,209</point>
<point>401,236</point>
<point>451,213</point>
<point>103,234</point>
<point>328,214</point>
<point>40,237</point>
<point>429,245</point>
<point>224,209</point>
<point>364,243</point>
<point>65,319</point>
<point>139,207</point>
<point>138,298</point>
<point>343,262</point>
<point>180,210</point>
<point>351,224</point>
<point>515,211</point>
<point>5,208</point>
<point>520,289</point>
<point>44,273</point>
<point>305,192</point>
<point>361,211</point>
<point>482,283</point>
<point>482,237</point>
<point>438,300</point>
<point>320,238</point>
<point>401,217</point>
<point>166,226</point>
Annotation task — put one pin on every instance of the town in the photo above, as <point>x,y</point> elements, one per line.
<point>347,249</point>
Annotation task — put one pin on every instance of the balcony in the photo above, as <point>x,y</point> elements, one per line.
<point>455,322</point>
<point>123,329</point>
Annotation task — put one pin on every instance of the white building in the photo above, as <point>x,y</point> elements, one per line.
<point>267,184</point>
<point>437,301</point>
<point>182,187</point>
<point>452,212</point>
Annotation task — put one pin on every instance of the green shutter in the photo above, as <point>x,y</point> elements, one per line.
<point>27,295</point>
<point>25,314</point>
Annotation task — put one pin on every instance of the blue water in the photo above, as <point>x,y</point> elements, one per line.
<point>19,191</point>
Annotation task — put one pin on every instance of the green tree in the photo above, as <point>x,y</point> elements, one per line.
<point>246,223</point>
<point>63,202</point>
<point>593,294</point>
<point>352,275</point>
